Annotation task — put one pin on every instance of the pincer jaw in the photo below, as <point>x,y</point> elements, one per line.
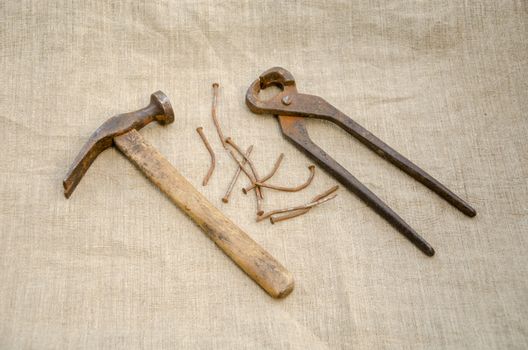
<point>276,76</point>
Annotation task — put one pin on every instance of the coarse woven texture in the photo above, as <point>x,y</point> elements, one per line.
<point>119,266</point>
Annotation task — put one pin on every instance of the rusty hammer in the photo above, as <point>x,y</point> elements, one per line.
<point>121,131</point>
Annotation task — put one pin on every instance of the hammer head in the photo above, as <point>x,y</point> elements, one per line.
<point>159,110</point>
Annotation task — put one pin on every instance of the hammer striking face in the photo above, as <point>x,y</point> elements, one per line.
<point>121,131</point>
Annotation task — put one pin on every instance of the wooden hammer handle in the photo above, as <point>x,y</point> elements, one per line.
<point>244,251</point>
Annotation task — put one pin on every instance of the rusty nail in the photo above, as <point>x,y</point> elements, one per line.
<point>300,207</point>
<point>211,152</point>
<point>225,199</point>
<point>213,113</point>
<point>290,189</point>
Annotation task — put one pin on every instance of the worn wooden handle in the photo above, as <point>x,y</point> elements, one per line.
<point>244,251</point>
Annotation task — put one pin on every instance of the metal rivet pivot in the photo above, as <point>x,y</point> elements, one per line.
<point>287,100</point>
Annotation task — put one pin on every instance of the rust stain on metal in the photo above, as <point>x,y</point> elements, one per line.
<point>294,214</point>
<point>290,189</point>
<point>211,153</point>
<point>251,178</point>
<point>269,175</point>
<point>256,176</point>
<point>216,86</point>
<point>296,208</point>
<point>225,198</point>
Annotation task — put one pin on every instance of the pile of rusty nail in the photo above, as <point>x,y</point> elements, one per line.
<point>257,183</point>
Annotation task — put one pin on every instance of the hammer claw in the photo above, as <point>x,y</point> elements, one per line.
<point>84,159</point>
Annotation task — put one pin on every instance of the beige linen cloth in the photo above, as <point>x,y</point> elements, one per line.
<point>119,266</point>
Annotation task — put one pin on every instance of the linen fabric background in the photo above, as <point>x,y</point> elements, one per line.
<point>119,266</point>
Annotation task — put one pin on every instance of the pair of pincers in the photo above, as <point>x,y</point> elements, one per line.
<point>292,108</point>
